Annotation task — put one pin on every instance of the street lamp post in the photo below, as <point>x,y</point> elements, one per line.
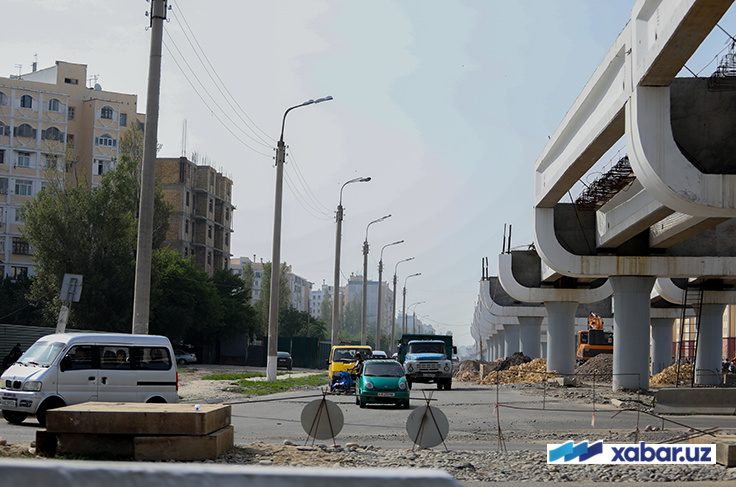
<point>414,316</point>
<point>363,322</point>
<point>403,312</point>
<point>380,301</point>
<point>393,306</point>
<point>273,313</point>
<point>336,290</point>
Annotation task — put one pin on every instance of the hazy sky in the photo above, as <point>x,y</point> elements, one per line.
<point>444,104</point>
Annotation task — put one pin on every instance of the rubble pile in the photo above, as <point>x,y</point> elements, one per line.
<point>668,377</point>
<point>469,368</point>
<point>531,372</point>
<point>517,358</point>
<point>598,369</point>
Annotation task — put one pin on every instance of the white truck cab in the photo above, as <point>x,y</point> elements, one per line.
<point>70,368</point>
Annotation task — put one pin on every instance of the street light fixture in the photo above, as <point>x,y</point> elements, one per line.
<point>403,312</point>
<point>414,316</point>
<point>363,323</point>
<point>380,301</point>
<point>336,289</point>
<point>273,313</point>
<point>393,306</point>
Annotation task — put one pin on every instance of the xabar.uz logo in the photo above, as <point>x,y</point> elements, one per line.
<point>600,453</point>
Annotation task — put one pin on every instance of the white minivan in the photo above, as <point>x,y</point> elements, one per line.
<point>71,368</point>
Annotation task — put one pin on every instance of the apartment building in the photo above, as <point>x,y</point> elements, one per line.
<point>354,290</point>
<point>200,223</point>
<point>45,116</point>
<point>299,287</point>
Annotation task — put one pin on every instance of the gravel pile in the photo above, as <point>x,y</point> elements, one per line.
<point>598,368</point>
<point>487,466</point>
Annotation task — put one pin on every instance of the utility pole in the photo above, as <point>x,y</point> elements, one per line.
<point>142,293</point>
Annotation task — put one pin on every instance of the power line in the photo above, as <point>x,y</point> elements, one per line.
<point>310,194</point>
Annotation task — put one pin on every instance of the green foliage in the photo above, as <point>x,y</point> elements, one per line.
<point>352,317</point>
<point>262,305</point>
<point>235,293</point>
<point>325,309</point>
<point>294,323</point>
<point>15,308</point>
<point>259,388</point>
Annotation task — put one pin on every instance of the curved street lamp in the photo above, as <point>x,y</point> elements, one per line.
<point>403,312</point>
<point>393,306</point>
<point>414,316</point>
<point>380,301</point>
<point>273,313</point>
<point>363,327</point>
<point>336,289</point>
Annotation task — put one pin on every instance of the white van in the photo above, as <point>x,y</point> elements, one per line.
<point>71,368</point>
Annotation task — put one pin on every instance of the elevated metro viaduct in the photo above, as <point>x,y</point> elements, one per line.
<point>674,219</point>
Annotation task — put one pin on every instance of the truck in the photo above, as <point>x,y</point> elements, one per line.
<point>594,340</point>
<point>427,358</point>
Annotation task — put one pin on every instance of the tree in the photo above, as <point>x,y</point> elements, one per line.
<point>89,231</point>
<point>352,319</point>
<point>14,305</point>
<point>325,309</point>
<point>293,323</point>
<point>235,293</point>
<point>263,304</point>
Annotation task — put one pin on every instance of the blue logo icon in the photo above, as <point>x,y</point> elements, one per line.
<point>581,451</point>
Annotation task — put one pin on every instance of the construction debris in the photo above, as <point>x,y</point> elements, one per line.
<point>596,369</point>
<point>533,372</point>
<point>669,376</point>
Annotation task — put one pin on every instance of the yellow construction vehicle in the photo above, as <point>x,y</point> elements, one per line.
<point>594,340</point>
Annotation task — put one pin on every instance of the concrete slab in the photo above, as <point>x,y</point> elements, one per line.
<point>140,419</point>
<point>184,448</point>
<point>725,448</point>
<point>695,401</point>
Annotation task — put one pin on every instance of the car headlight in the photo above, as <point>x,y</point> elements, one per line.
<point>402,386</point>
<point>369,385</point>
<point>32,386</point>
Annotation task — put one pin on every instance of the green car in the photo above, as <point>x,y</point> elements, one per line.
<point>382,381</point>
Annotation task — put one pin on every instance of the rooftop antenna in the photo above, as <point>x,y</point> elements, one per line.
<point>184,139</point>
<point>93,78</point>
<point>20,67</point>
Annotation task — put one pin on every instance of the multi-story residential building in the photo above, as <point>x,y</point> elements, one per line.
<point>300,288</point>
<point>201,221</point>
<point>354,290</point>
<point>51,123</point>
<point>317,296</point>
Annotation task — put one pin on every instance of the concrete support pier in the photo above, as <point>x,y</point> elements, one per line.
<point>661,344</point>
<point>530,335</point>
<point>512,338</point>
<point>710,343</point>
<point>560,336</point>
<point>501,343</point>
<point>631,331</point>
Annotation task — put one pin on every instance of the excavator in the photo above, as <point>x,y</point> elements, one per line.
<point>594,340</point>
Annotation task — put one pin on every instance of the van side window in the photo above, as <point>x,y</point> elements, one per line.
<point>153,358</point>
<point>115,357</point>
<point>81,357</point>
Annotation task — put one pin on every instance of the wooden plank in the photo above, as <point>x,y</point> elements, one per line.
<point>139,419</point>
<point>725,448</point>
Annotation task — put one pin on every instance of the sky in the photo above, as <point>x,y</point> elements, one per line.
<point>445,104</point>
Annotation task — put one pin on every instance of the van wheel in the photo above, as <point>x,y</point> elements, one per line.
<point>156,400</point>
<point>14,417</point>
<point>52,403</point>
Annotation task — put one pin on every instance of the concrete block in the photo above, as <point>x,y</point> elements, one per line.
<point>563,381</point>
<point>725,448</point>
<point>45,443</point>
<point>184,448</point>
<point>140,419</point>
<point>100,447</point>
<point>682,400</point>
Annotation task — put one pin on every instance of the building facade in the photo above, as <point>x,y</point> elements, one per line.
<point>299,287</point>
<point>52,127</point>
<point>354,290</point>
<point>200,224</point>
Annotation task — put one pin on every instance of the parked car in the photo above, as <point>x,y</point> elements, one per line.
<point>184,358</point>
<point>379,354</point>
<point>283,360</point>
<point>382,381</point>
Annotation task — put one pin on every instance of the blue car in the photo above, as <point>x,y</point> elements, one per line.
<point>384,382</point>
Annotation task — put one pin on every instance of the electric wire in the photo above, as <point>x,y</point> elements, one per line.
<point>302,180</point>
<point>183,58</point>
<point>210,69</point>
<point>305,205</point>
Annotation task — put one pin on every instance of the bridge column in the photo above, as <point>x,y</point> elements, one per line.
<point>561,336</point>
<point>501,343</point>
<point>661,344</point>
<point>512,338</point>
<point>710,345</point>
<point>631,331</point>
<point>530,335</point>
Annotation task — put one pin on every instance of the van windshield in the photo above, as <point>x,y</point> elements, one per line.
<point>42,353</point>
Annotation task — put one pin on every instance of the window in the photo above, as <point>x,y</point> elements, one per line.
<point>18,216</point>
<point>3,99</point>
<point>186,226</point>
<point>21,247</point>
<point>153,358</point>
<point>124,119</point>
<point>71,81</point>
<point>24,159</point>
<point>79,358</point>
<point>26,101</point>
<point>4,129</point>
<point>17,272</point>
<point>115,357</point>
<point>105,140</point>
<point>106,112</point>
<point>99,167</point>
<point>52,133</point>
<point>70,140</point>
<point>227,214</point>
<point>70,113</point>
<point>54,105</point>
<point>25,130</point>
<point>23,188</point>
<point>211,204</point>
<point>209,231</point>
<point>3,190</point>
<point>2,156</point>
<point>187,203</point>
<point>227,238</point>
<point>209,258</point>
<point>51,161</point>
